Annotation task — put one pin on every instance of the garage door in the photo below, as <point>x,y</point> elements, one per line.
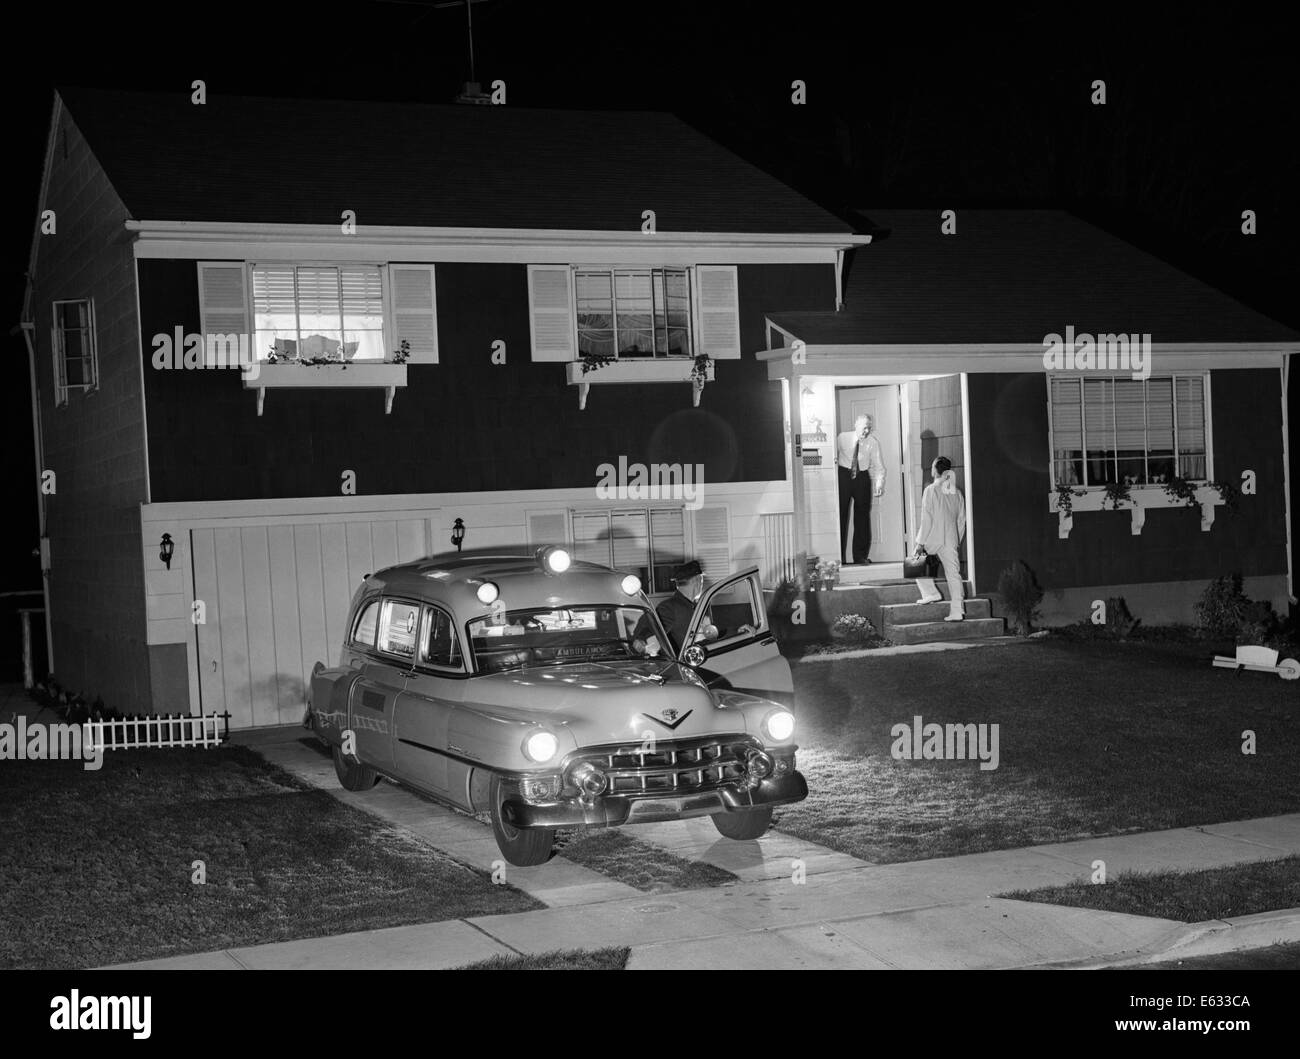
<point>276,600</point>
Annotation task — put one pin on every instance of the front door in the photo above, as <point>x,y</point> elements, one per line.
<point>741,651</point>
<point>882,404</point>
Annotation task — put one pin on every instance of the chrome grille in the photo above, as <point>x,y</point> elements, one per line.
<point>673,767</point>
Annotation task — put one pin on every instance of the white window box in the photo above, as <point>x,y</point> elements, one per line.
<point>388,377</point>
<point>633,372</point>
<point>1144,499</point>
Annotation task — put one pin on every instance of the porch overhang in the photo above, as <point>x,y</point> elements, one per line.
<point>796,358</point>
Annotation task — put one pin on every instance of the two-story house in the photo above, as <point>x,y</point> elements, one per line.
<point>279,344</point>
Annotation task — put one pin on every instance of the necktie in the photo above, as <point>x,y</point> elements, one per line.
<point>853,472</point>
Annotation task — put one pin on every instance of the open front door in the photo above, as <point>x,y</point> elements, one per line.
<point>730,623</point>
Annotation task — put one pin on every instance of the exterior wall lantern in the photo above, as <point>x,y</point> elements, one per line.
<point>165,549</point>
<point>458,533</point>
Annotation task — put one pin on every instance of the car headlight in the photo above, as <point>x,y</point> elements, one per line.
<point>779,725</point>
<point>631,585</point>
<point>555,560</point>
<point>541,746</point>
<point>487,592</point>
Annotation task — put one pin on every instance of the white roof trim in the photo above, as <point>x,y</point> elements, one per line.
<point>309,233</point>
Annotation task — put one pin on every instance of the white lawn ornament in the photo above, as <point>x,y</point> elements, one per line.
<point>1260,660</point>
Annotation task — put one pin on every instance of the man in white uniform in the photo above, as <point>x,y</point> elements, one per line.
<point>943,522</point>
<point>861,476</point>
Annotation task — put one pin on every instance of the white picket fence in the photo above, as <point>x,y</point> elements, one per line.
<point>164,730</point>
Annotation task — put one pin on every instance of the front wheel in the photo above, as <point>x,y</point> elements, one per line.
<point>744,824</point>
<point>523,847</point>
<point>352,774</point>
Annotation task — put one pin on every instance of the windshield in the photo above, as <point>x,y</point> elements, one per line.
<point>554,636</point>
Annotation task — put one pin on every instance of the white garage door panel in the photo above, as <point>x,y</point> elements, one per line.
<point>263,676</point>
<point>234,625</point>
<point>338,589</point>
<point>212,688</point>
<point>289,665</point>
<point>311,594</point>
<point>277,599</point>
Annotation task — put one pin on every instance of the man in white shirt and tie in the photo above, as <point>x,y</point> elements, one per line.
<point>861,476</point>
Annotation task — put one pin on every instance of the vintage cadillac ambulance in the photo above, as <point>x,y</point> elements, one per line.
<point>545,692</point>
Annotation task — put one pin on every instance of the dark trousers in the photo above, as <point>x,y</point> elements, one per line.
<point>855,492</point>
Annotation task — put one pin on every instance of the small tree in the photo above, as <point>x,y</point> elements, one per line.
<point>1021,595</point>
<point>1222,607</point>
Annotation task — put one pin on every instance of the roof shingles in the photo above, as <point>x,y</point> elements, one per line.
<point>295,161</point>
<point>1013,277</point>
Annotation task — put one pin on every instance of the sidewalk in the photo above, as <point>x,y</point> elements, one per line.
<point>846,913</point>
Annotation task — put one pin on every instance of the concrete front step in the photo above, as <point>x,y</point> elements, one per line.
<point>908,592</point>
<point>909,613</point>
<point>935,631</point>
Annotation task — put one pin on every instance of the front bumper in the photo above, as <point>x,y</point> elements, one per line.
<point>610,810</point>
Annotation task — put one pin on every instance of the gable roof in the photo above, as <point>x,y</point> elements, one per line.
<point>1014,276</point>
<point>299,161</point>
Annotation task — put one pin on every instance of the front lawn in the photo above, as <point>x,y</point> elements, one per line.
<point>1094,738</point>
<point>96,867</point>
<point>1189,896</point>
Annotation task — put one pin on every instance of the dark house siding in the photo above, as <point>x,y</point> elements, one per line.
<point>464,424</point>
<point>94,443</point>
<point>1009,451</point>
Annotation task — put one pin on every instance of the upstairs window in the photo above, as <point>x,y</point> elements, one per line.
<point>1120,429</point>
<point>312,312</point>
<point>76,360</point>
<point>634,312</point>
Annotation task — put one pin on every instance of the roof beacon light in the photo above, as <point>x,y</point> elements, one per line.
<point>555,560</point>
<point>631,585</point>
<point>487,592</point>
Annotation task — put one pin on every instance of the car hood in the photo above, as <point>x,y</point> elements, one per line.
<point>592,703</point>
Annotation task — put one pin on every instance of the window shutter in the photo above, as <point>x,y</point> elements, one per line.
<point>591,537</point>
<point>1067,423</point>
<point>547,527</point>
<point>717,293</point>
<point>631,538</point>
<point>550,311</point>
<point>713,540</point>
<point>415,311</point>
<point>223,299</point>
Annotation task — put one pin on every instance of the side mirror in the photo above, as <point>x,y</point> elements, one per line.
<point>695,655</point>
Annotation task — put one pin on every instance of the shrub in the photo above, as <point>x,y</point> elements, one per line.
<point>854,628</point>
<point>1119,619</point>
<point>1222,607</point>
<point>782,605</point>
<point>1259,623</point>
<point>1021,595</point>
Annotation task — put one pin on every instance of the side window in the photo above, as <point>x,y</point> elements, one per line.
<point>733,607</point>
<point>439,645</point>
<point>367,622</point>
<point>397,628</point>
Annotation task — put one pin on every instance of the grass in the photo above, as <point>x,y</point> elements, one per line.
<point>560,960</point>
<point>1190,896</point>
<point>1095,738</point>
<point>641,865</point>
<point>96,866</point>
<point>1284,957</point>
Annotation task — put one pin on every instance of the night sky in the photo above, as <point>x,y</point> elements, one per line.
<point>914,108</point>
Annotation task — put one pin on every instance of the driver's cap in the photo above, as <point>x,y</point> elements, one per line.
<point>687,570</point>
